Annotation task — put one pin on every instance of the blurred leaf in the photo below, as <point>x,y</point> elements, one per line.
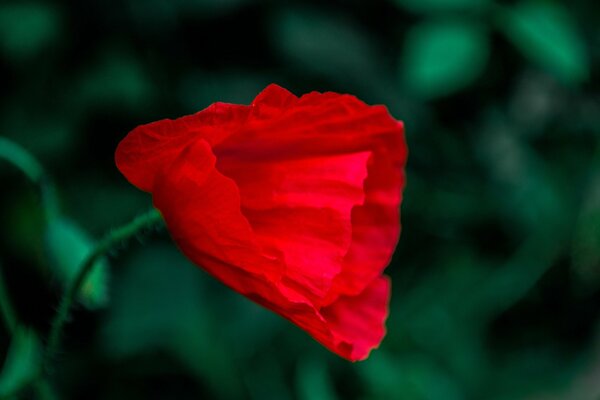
<point>157,304</point>
<point>22,224</point>
<point>415,377</point>
<point>381,375</point>
<point>313,381</point>
<point>545,32</point>
<point>443,57</point>
<point>266,380</point>
<point>324,43</point>
<point>524,186</point>
<point>436,314</point>
<point>532,367</point>
<point>50,135</point>
<point>537,98</point>
<point>441,5</point>
<point>116,80</point>
<point>155,295</point>
<point>526,193</point>
<point>582,383</point>
<point>18,157</point>
<point>261,327</point>
<point>198,90</point>
<point>27,27</point>
<point>68,246</point>
<point>507,285</point>
<point>22,363</point>
<point>98,210</point>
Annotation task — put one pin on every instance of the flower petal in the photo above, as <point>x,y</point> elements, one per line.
<point>201,208</point>
<point>320,127</point>
<point>302,209</point>
<point>148,148</point>
<point>293,202</point>
<point>271,102</point>
<point>219,237</point>
<point>342,125</point>
<point>352,326</point>
<point>357,322</point>
<point>375,224</point>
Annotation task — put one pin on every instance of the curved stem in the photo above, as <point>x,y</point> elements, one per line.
<point>42,387</point>
<point>113,238</point>
<point>23,160</point>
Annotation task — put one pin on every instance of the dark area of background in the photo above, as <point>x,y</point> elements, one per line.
<point>496,280</point>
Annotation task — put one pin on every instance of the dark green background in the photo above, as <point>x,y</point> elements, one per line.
<point>496,280</point>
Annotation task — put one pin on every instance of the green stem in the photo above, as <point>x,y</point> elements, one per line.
<point>113,238</point>
<point>42,387</point>
<point>31,167</point>
<point>23,160</point>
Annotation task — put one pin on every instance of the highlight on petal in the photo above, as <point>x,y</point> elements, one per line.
<point>292,202</point>
<point>302,209</point>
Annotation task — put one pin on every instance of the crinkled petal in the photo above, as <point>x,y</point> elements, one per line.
<point>376,223</point>
<point>351,326</point>
<point>201,208</point>
<point>302,209</point>
<point>323,129</point>
<point>293,202</point>
<point>219,237</point>
<point>319,128</point>
<point>149,148</point>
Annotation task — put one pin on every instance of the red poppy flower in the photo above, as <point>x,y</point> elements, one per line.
<point>293,202</point>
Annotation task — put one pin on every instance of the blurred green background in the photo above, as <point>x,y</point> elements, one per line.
<point>496,280</point>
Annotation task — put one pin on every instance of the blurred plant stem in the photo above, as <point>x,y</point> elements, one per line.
<point>31,167</point>
<point>110,241</point>
<point>41,386</point>
<point>24,161</point>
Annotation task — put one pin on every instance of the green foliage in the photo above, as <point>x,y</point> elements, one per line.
<point>310,39</point>
<point>442,57</point>
<point>158,305</point>
<point>22,364</point>
<point>19,158</point>
<point>116,79</point>
<point>546,33</point>
<point>26,28</point>
<point>313,381</point>
<point>414,377</point>
<point>68,246</point>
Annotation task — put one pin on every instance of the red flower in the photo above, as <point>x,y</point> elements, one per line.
<point>293,202</point>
